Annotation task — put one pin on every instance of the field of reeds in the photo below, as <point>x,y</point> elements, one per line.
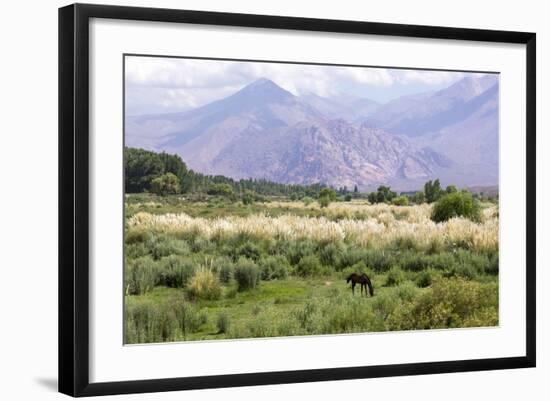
<point>207,268</point>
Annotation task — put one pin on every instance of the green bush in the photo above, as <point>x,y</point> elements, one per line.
<point>188,317</point>
<point>307,200</point>
<point>274,268</point>
<point>247,274</point>
<point>425,278</point>
<point>165,184</point>
<point>456,204</point>
<point>350,256</point>
<point>222,323</point>
<point>329,254</point>
<point>140,275</point>
<point>149,321</point>
<point>135,236</point>
<point>493,266</point>
<point>174,271</point>
<point>225,270</point>
<point>449,303</point>
<point>297,250</point>
<point>308,266</point>
<point>400,201</point>
<point>160,246</point>
<point>248,197</point>
<point>395,277</point>
<point>328,193</point>
<point>324,201</point>
<point>379,260</point>
<point>204,285</point>
<point>248,250</point>
<point>347,198</point>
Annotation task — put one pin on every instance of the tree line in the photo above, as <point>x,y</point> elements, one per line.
<point>163,173</point>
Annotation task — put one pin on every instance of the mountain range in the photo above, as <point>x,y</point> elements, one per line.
<point>264,131</point>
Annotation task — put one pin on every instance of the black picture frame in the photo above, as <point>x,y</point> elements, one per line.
<point>74,198</point>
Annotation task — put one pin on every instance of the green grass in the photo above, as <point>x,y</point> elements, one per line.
<point>301,288</point>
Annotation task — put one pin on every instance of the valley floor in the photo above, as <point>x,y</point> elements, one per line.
<point>209,269</point>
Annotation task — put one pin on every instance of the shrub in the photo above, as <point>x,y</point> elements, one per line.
<point>222,323</point>
<point>395,277</point>
<point>225,271</point>
<point>308,266</point>
<point>383,305</point>
<point>449,303</point>
<point>380,261</point>
<point>330,253</point>
<point>400,201</point>
<point>350,256</point>
<point>135,236</point>
<point>274,268</point>
<point>406,291</point>
<point>493,266</point>
<point>307,200</point>
<point>165,184</point>
<point>221,189</point>
<point>454,205</point>
<point>297,250</point>
<point>324,201</point>
<point>327,193</point>
<point>248,197</point>
<point>247,274</point>
<point>347,198</point>
<point>174,271</point>
<point>248,250</point>
<point>414,261</point>
<point>140,275</point>
<point>425,278</point>
<point>188,317</point>
<point>204,285</point>
<point>160,246</point>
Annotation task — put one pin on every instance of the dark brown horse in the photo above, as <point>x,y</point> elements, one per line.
<point>362,279</point>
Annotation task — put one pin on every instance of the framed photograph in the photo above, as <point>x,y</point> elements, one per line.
<point>251,199</point>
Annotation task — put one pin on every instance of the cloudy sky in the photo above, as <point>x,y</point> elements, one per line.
<point>165,85</point>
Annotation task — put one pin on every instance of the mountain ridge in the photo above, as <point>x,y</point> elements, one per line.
<point>264,131</point>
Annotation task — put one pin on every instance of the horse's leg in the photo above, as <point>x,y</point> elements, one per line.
<point>361,289</point>
<point>353,288</point>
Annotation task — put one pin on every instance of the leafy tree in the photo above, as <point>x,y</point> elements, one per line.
<point>328,193</point>
<point>347,198</point>
<point>400,201</point>
<point>220,189</point>
<point>165,184</point>
<point>355,189</point>
<point>373,197</point>
<point>324,201</point>
<point>454,205</point>
<point>418,198</point>
<point>248,197</point>
<point>140,167</point>
<point>450,189</point>
<point>383,194</point>
<point>432,190</point>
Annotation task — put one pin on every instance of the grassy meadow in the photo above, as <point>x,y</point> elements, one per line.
<point>206,268</point>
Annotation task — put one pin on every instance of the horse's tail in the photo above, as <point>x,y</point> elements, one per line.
<point>369,284</point>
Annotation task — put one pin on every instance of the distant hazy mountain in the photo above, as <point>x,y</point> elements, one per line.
<point>430,112</point>
<point>264,131</point>
<point>349,108</point>
<point>460,122</point>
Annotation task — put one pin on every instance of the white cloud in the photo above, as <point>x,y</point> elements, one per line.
<point>426,77</point>
<point>173,84</point>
